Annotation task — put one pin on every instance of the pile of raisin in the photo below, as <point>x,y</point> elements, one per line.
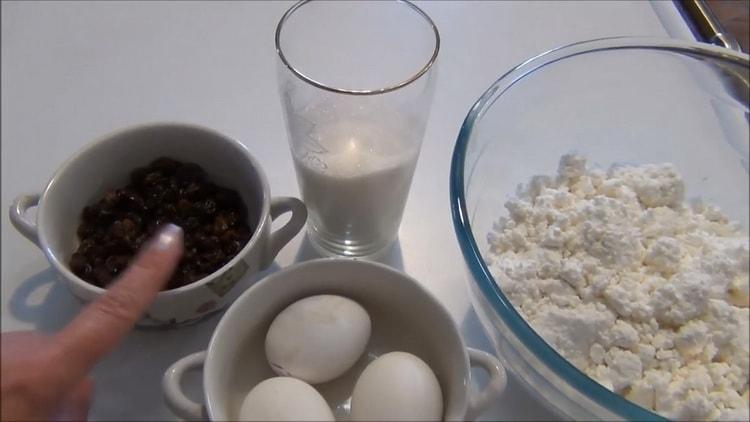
<point>213,218</point>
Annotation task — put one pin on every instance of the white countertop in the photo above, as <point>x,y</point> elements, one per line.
<point>74,71</point>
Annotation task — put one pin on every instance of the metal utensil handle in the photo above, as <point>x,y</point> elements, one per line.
<point>709,26</point>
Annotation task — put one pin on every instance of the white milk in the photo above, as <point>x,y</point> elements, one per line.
<point>355,179</point>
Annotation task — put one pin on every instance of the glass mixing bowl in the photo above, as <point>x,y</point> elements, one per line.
<point>617,100</point>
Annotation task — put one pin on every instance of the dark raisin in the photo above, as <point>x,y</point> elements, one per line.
<point>153,179</point>
<point>207,207</point>
<point>157,192</point>
<point>116,246</point>
<point>138,241</point>
<point>106,216</point>
<point>155,225</point>
<point>136,219</point>
<point>87,247</point>
<point>227,197</point>
<point>102,275</point>
<point>191,223</point>
<point>220,224</point>
<point>227,236</point>
<point>243,234</point>
<point>210,189</point>
<point>165,165</point>
<point>131,200</point>
<point>189,254</point>
<point>184,207</point>
<point>113,229</point>
<point>90,214</point>
<point>125,229</point>
<point>170,194</point>
<point>168,211</point>
<point>190,172</point>
<point>150,204</point>
<point>193,190</point>
<point>231,247</point>
<point>240,234</point>
<point>110,200</point>
<point>85,230</point>
<point>116,263</point>
<point>176,282</point>
<point>80,265</point>
<point>210,260</point>
<point>208,243</point>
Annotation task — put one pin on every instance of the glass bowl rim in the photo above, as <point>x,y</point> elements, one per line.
<point>461,221</point>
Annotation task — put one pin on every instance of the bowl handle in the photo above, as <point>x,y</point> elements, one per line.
<point>180,404</point>
<point>480,401</point>
<point>18,216</point>
<point>282,205</point>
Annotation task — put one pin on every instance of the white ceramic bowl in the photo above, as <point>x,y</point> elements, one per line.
<point>405,317</point>
<point>106,164</point>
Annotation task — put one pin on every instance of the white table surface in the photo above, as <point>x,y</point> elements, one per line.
<point>74,71</point>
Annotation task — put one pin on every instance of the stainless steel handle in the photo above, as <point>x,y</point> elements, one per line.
<point>709,25</point>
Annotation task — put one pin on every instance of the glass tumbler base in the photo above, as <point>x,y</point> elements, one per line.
<point>346,248</point>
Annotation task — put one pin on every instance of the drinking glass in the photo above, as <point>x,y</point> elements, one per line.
<point>356,80</point>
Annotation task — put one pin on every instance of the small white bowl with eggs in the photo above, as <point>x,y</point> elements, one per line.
<point>336,339</point>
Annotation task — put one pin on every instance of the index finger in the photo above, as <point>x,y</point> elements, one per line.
<point>101,325</point>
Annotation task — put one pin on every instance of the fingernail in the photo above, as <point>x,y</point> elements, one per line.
<point>167,237</point>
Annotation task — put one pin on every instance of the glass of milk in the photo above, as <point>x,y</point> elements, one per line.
<point>356,80</point>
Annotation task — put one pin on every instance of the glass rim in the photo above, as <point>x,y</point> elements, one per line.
<point>377,91</point>
<point>472,254</point>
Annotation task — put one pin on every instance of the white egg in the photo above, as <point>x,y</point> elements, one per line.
<point>397,386</point>
<point>284,399</point>
<point>317,338</point>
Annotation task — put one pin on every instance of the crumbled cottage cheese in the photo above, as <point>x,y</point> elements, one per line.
<point>643,293</point>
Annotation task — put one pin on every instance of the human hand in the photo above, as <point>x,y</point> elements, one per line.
<point>45,377</point>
